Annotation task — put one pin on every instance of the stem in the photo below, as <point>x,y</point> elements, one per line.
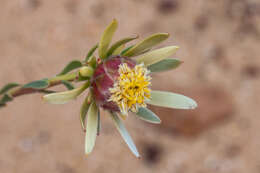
<point>67,77</point>
<point>52,82</point>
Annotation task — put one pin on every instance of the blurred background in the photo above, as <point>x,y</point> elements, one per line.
<point>219,44</point>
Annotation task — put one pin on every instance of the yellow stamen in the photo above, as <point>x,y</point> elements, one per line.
<point>131,89</point>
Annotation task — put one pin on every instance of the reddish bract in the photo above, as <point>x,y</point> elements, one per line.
<point>104,77</point>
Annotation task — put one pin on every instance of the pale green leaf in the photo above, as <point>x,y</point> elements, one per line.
<point>67,77</point>
<point>70,66</point>
<point>5,98</point>
<point>164,65</point>
<point>84,109</point>
<point>147,115</point>
<point>91,129</point>
<point>99,123</point>
<point>92,61</point>
<point>118,50</point>
<point>7,87</point>
<point>106,39</point>
<point>39,84</point>
<point>120,43</point>
<point>157,55</point>
<point>64,97</point>
<point>68,85</point>
<point>147,43</point>
<point>91,51</point>
<point>171,100</point>
<point>122,130</point>
<point>126,49</point>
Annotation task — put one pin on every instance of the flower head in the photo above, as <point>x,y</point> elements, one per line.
<point>131,89</point>
<point>120,83</point>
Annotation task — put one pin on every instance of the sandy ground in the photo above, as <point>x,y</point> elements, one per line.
<point>219,42</point>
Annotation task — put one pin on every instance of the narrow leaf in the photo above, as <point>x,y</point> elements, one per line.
<point>71,66</point>
<point>92,61</point>
<point>120,43</point>
<point>106,39</point>
<point>122,130</point>
<point>157,55</point>
<point>45,91</point>
<point>68,85</point>
<point>171,100</point>
<point>147,43</point>
<point>64,97</point>
<point>90,52</point>
<point>7,87</point>
<point>147,115</point>
<point>84,109</point>
<point>39,84</point>
<point>164,65</point>
<point>126,49</point>
<point>92,126</point>
<point>5,98</point>
<point>99,123</point>
<point>118,50</point>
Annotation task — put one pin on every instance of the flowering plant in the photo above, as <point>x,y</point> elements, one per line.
<point>119,81</point>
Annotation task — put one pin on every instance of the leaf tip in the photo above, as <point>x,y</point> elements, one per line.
<point>114,22</point>
<point>167,34</point>
<point>194,105</point>
<point>176,47</point>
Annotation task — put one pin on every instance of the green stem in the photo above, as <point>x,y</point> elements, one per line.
<point>52,82</point>
<point>67,77</point>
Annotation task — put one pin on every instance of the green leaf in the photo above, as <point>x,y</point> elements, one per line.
<point>120,43</point>
<point>47,91</point>
<point>91,51</point>
<point>157,55</point>
<point>68,85</point>
<point>164,65</point>
<point>92,61</point>
<point>99,123</point>
<point>6,98</point>
<point>70,66</point>
<point>147,43</point>
<point>147,115</point>
<point>39,84</point>
<point>122,130</point>
<point>118,50</point>
<point>84,109</point>
<point>106,39</point>
<point>7,87</point>
<point>171,100</point>
<point>126,49</point>
<point>92,126</point>
<point>64,97</point>
<point>67,77</point>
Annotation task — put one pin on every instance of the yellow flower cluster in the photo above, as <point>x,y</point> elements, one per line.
<point>131,89</point>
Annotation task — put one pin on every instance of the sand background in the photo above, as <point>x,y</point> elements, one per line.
<point>219,44</point>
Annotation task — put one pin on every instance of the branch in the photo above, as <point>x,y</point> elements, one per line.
<point>21,90</point>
